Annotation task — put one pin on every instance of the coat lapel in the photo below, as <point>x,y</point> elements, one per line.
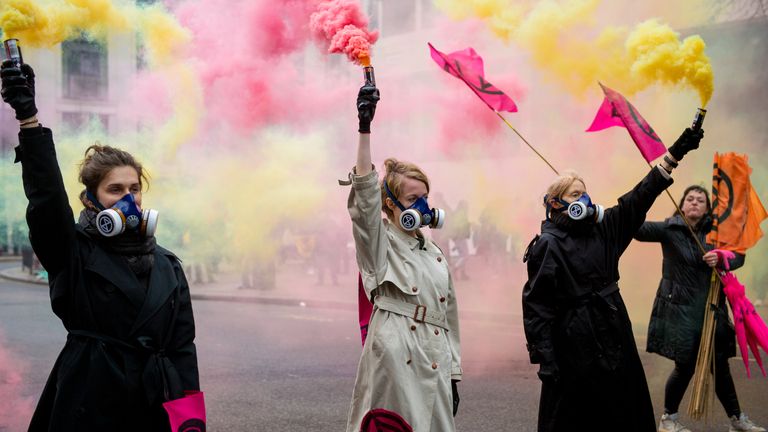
<point>162,283</point>
<point>117,272</point>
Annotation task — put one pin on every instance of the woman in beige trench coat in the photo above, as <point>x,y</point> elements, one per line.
<point>411,358</point>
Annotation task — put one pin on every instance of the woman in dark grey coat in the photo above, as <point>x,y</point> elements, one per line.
<point>677,317</point>
<point>124,300</point>
<point>575,321</point>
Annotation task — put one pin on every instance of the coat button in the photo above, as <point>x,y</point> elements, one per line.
<point>413,327</point>
<point>414,289</point>
<point>408,362</point>
<point>442,299</point>
<point>434,365</point>
<point>439,259</point>
<point>437,332</point>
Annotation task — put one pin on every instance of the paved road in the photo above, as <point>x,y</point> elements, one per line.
<point>277,368</point>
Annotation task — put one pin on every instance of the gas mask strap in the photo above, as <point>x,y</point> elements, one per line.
<point>93,200</point>
<point>392,197</point>
<point>550,208</point>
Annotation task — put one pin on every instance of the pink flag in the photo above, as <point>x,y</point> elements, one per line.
<point>188,413</point>
<point>617,111</point>
<point>751,331</point>
<point>467,66</point>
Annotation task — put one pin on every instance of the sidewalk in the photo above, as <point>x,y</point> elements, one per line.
<point>294,286</point>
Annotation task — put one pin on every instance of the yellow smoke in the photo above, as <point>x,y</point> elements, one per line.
<point>186,96</point>
<point>45,23</point>
<point>235,201</point>
<point>652,53</point>
<point>41,23</point>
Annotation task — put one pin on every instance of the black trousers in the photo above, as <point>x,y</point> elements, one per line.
<point>681,376</point>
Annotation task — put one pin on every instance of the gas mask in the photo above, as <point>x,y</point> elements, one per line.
<point>124,215</point>
<point>580,209</point>
<point>419,214</point>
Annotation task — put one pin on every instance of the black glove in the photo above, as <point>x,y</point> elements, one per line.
<point>689,140</point>
<point>18,89</point>
<point>548,372</point>
<point>367,98</point>
<point>456,399</point>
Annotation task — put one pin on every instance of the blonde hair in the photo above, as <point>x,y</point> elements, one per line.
<point>394,171</point>
<point>559,186</point>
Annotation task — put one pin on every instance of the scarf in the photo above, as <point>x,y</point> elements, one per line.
<point>138,251</point>
<point>562,220</point>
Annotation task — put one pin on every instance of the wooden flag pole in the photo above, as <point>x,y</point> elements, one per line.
<point>526,142</point>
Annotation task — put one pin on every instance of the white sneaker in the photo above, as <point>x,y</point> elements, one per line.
<point>669,423</point>
<point>742,423</point>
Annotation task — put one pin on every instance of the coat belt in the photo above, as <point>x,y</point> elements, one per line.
<point>416,312</point>
<point>159,377</point>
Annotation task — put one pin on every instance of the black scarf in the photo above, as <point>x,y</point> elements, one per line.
<point>562,220</point>
<point>137,250</point>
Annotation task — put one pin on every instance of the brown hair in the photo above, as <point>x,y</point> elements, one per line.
<point>694,188</point>
<point>99,161</point>
<point>559,186</point>
<point>394,171</point>
<point>706,218</point>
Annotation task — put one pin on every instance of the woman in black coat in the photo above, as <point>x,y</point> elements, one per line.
<point>677,317</point>
<point>124,300</point>
<point>575,321</point>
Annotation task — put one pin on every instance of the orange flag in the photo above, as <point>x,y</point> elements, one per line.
<point>736,208</point>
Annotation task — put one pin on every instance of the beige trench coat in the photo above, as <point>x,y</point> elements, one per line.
<point>406,366</point>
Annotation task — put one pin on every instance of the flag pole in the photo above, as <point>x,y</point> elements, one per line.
<point>527,143</point>
<point>685,219</point>
<point>702,380</point>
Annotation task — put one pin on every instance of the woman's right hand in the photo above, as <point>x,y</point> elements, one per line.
<point>18,89</point>
<point>689,140</point>
<point>367,98</point>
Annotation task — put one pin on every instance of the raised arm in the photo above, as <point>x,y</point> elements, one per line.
<point>364,202</point>
<point>50,219</point>
<point>367,99</point>
<point>626,218</point>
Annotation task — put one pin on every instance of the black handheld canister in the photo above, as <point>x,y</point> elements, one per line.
<point>370,78</point>
<point>13,51</point>
<point>698,120</point>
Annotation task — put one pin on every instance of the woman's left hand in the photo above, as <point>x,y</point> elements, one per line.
<point>711,259</point>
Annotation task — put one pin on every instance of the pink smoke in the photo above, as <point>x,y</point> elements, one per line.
<point>343,26</point>
<point>248,59</point>
<point>15,410</point>
<point>464,119</point>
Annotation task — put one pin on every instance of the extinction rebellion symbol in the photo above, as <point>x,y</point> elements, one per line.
<point>105,224</point>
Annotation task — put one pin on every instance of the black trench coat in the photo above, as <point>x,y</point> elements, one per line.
<point>575,321</point>
<point>130,344</point>
<point>678,310</point>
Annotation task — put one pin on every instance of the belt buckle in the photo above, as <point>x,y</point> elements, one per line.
<point>423,313</point>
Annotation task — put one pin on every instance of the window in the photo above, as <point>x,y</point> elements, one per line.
<point>84,67</point>
<point>75,121</point>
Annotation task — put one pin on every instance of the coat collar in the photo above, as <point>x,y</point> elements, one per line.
<point>412,242</point>
<point>115,270</point>
<point>547,226</point>
<point>162,283</point>
<point>676,221</point>
<point>162,280</point>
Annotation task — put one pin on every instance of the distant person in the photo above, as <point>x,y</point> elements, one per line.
<point>677,317</point>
